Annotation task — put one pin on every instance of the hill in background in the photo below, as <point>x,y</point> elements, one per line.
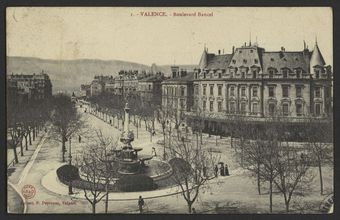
<point>68,75</point>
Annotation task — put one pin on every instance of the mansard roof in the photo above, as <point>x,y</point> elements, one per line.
<point>282,59</point>
<point>189,77</point>
<point>219,61</point>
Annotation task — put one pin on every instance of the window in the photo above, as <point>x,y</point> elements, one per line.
<point>220,90</point>
<point>298,74</point>
<point>254,74</point>
<point>182,103</point>
<point>240,51</point>
<point>234,61</point>
<point>271,74</point>
<point>196,75</point>
<point>271,91</point>
<point>204,75</point>
<point>211,89</point>
<point>204,89</point>
<point>298,91</point>
<point>243,91</point>
<point>285,91</point>
<point>244,61</point>
<point>204,105</point>
<point>271,109</point>
<point>211,106</point>
<point>219,75</point>
<point>317,109</point>
<point>243,75</point>
<point>196,90</point>
<point>317,92</point>
<point>285,74</point>
<point>255,107</point>
<point>232,107</point>
<point>149,87</point>
<point>251,51</point>
<point>285,109</point>
<point>232,74</point>
<point>256,61</point>
<point>219,106</point>
<point>317,74</point>
<point>243,108</point>
<point>232,91</point>
<point>182,91</point>
<point>255,92</point>
<point>298,109</point>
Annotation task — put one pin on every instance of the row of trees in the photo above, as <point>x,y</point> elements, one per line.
<point>24,121</point>
<point>285,166</point>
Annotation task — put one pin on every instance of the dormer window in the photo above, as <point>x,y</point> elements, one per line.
<point>244,61</point>
<point>254,74</point>
<point>317,74</point>
<point>298,74</point>
<point>240,51</point>
<point>243,75</point>
<point>234,61</point>
<point>285,74</point>
<point>251,51</point>
<point>256,61</point>
<point>271,74</point>
<point>271,59</point>
<point>219,75</point>
<point>204,75</point>
<point>196,75</point>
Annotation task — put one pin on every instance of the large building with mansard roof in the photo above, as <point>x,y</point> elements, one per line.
<point>260,84</point>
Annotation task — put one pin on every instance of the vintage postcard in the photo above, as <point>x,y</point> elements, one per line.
<point>199,110</point>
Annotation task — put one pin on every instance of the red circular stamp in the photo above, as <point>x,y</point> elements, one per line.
<point>28,191</point>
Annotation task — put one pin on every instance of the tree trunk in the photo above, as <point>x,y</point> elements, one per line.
<point>26,145</point>
<point>34,133</point>
<point>21,149</point>
<point>270,196</point>
<point>94,208</point>
<point>63,151</point>
<point>29,136</point>
<point>189,207</point>
<point>15,154</point>
<point>320,175</point>
<point>106,198</point>
<point>258,179</point>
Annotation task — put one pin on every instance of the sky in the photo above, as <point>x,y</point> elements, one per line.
<point>109,33</point>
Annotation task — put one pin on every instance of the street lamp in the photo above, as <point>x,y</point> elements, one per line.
<point>70,192</point>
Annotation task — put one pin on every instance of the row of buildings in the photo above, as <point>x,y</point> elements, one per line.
<point>249,82</point>
<point>252,82</point>
<point>128,83</point>
<point>23,88</point>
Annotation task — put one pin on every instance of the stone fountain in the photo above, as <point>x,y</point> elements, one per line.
<point>127,156</point>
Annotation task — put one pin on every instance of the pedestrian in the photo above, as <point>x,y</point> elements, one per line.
<point>205,171</point>
<point>154,152</point>
<point>79,138</point>
<point>216,170</point>
<point>140,204</point>
<point>222,169</point>
<point>226,170</point>
<point>193,211</point>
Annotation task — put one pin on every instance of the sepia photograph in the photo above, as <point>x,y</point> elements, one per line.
<point>169,110</point>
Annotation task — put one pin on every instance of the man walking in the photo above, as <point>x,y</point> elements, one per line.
<point>140,204</point>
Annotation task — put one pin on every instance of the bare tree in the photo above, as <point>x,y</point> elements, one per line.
<point>66,120</point>
<point>191,165</point>
<point>99,168</point>
<point>319,135</point>
<point>292,172</point>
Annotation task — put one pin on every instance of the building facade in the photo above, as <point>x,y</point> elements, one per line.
<point>260,84</point>
<point>150,89</point>
<point>177,92</point>
<point>28,87</point>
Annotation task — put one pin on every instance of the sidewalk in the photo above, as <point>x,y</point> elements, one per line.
<point>51,182</point>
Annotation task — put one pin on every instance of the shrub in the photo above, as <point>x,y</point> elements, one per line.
<point>67,173</point>
<point>134,183</point>
<point>180,167</point>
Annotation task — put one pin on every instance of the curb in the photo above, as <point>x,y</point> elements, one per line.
<point>22,198</point>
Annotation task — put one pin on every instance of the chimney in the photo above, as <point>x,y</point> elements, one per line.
<point>233,49</point>
<point>219,52</point>
<point>282,49</point>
